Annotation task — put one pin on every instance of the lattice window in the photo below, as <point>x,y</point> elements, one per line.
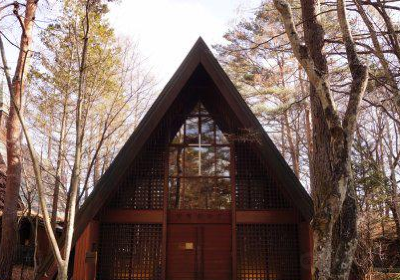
<point>143,185</point>
<point>199,164</point>
<point>130,251</point>
<point>266,251</point>
<point>256,188</point>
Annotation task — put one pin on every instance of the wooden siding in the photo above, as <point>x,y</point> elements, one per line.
<point>199,217</point>
<point>199,252</point>
<point>132,216</point>
<point>267,217</point>
<point>85,256</point>
<point>306,241</point>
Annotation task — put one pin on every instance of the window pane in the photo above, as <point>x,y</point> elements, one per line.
<point>176,161</point>
<point>199,193</point>
<point>192,130</point>
<point>192,161</point>
<point>199,170</point>
<point>200,109</point>
<point>220,137</point>
<point>173,192</point>
<point>191,194</point>
<point>220,198</point>
<point>178,139</point>
<point>223,161</point>
<point>207,130</point>
<point>207,161</point>
<point>207,190</point>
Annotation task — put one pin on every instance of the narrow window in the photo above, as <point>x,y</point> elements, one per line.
<point>199,165</point>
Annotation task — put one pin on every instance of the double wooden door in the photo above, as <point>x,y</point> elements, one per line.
<point>199,250</point>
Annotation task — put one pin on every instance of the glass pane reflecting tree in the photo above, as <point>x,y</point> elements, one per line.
<point>199,164</point>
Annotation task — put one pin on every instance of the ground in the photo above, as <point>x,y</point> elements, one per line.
<point>383,276</point>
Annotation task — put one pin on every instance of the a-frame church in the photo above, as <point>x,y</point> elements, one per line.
<point>198,192</point>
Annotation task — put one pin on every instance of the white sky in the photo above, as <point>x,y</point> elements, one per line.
<point>167,29</point>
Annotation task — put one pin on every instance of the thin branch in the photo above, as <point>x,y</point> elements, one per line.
<point>359,73</point>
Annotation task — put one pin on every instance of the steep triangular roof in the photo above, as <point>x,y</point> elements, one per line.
<point>199,55</point>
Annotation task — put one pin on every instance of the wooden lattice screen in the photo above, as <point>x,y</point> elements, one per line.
<point>134,253</point>
<point>143,185</point>
<point>267,251</point>
<point>256,188</point>
<point>134,250</point>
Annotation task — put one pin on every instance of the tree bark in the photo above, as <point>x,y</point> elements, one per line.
<point>334,223</point>
<point>9,219</point>
<point>292,149</point>
<point>393,195</point>
<point>393,38</point>
<point>76,170</point>
<point>393,86</point>
<point>60,154</point>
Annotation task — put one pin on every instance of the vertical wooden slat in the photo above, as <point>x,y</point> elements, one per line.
<point>201,241</point>
<point>130,251</point>
<point>233,196</point>
<point>268,251</point>
<point>79,260</point>
<point>91,267</point>
<point>85,269</point>
<point>199,253</point>
<point>305,238</point>
<point>165,217</point>
<point>257,186</point>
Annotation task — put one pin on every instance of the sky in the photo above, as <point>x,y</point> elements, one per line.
<point>167,29</point>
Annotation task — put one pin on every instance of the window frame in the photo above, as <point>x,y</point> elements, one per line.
<point>182,173</point>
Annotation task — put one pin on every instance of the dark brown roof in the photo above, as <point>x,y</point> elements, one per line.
<point>200,54</point>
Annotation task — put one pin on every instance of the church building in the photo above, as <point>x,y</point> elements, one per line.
<point>198,192</point>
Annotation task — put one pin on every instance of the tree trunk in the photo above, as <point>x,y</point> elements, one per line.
<point>9,220</point>
<point>323,177</point>
<point>76,170</point>
<point>307,127</point>
<point>378,51</point>
<point>393,195</point>
<point>334,222</point>
<point>96,170</point>
<point>62,272</point>
<point>393,39</point>
<point>286,126</point>
<point>292,149</point>
<point>3,180</point>
<point>57,182</point>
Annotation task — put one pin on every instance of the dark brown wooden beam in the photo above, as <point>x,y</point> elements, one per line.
<point>133,216</point>
<point>267,217</point>
<point>199,217</point>
<point>234,222</point>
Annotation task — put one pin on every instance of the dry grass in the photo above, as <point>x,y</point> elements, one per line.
<point>382,276</point>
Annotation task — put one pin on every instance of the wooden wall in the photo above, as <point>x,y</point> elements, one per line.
<point>85,253</point>
<point>306,249</point>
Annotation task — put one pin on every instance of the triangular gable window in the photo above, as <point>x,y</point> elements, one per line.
<point>199,161</point>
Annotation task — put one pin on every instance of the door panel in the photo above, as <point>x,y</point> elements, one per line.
<point>181,257</point>
<point>199,252</point>
<point>217,252</point>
